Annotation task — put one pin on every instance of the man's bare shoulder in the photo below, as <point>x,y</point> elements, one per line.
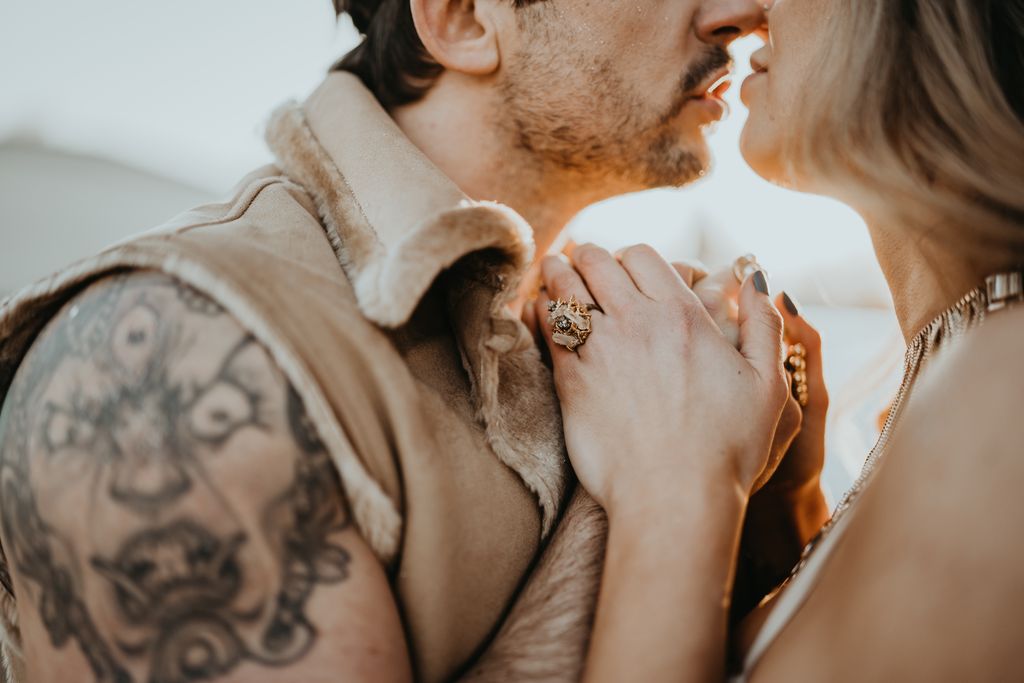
<point>168,511</point>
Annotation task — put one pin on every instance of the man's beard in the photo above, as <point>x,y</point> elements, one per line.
<point>583,118</point>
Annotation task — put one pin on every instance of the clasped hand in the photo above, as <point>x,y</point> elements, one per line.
<point>659,399</point>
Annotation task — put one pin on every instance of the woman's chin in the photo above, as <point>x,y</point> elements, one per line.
<point>761,155</point>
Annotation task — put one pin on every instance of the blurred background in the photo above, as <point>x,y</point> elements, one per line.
<point>116,115</point>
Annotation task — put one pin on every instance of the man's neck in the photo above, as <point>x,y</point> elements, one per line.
<point>455,127</point>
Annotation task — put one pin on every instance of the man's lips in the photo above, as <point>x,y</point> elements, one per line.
<point>720,88</point>
<point>714,86</point>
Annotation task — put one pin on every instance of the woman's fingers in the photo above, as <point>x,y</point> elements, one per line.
<point>543,330</point>
<point>718,292</point>
<point>652,274</point>
<point>785,433</point>
<point>604,277</point>
<point>530,316</point>
<point>760,329</point>
<point>692,272</point>
<point>562,281</point>
<point>798,330</point>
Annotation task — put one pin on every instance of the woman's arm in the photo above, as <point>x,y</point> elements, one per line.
<point>785,514</point>
<point>663,607</point>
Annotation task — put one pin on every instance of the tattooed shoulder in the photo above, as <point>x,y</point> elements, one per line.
<point>167,508</point>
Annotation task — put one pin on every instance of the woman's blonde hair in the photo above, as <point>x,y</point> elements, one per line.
<point>925,108</point>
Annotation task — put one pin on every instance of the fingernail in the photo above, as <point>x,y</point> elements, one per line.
<point>760,282</point>
<point>790,304</point>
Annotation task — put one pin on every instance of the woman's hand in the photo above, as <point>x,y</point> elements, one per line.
<point>658,398</point>
<point>719,292</point>
<point>787,512</point>
<point>800,469</point>
<point>668,426</point>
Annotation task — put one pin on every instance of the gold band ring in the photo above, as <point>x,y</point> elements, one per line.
<point>745,266</point>
<point>570,322</point>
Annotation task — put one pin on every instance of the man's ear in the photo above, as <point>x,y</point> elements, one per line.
<point>460,35</point>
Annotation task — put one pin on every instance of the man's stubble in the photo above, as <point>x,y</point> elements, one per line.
<point>575,114</point>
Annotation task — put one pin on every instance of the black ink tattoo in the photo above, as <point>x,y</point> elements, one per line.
<point>196,302</point>
<point>87,321</point>
<point>317,513</point>
<point>102,400</point>
<point>177,569</point>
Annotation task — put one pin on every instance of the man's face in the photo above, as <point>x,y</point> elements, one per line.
<point>620,91</point>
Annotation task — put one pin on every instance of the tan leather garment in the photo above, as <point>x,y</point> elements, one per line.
<point>381,291</point>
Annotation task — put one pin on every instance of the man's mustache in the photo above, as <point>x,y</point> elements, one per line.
<point>705,65</point>
<point>710,62</point>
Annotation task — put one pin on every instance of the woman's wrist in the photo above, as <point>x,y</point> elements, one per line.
<point>802,507</point>
<point>779,524</point>
<point>793,491</point>
<point>666,583</point>
<point>662,501</point>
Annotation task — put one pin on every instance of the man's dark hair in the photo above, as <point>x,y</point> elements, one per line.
<point>391,60</point>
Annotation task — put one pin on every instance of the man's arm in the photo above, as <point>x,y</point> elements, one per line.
<point>168,511</point>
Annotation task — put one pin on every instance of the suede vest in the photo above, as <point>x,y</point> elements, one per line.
<point>382,293</point>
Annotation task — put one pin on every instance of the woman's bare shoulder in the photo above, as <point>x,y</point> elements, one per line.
<point>975,388</point>
<point>1001,335</point>
<point>930,553</point>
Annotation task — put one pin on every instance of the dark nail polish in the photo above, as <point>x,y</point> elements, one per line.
<point>790,304</point>
<point>760,282</point>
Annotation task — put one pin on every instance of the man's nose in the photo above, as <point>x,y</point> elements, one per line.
<point>719,22</point>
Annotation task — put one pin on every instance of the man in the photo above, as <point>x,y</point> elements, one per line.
<point>303,434</point>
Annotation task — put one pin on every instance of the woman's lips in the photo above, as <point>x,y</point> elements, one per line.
<point>748,83</point>
<point>759,60</point>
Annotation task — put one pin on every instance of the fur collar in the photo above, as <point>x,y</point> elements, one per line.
<point>396,222</point>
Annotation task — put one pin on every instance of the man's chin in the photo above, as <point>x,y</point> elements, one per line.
<point>672,162</point>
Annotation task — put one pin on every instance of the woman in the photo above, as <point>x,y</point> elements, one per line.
<point>912,112</point>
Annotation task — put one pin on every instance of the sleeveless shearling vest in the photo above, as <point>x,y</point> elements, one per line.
<point>381,291</point>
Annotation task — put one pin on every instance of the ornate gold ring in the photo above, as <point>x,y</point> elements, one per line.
<point>570,322</point>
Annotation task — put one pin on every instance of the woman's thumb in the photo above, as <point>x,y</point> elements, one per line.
<point>760,327</point>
